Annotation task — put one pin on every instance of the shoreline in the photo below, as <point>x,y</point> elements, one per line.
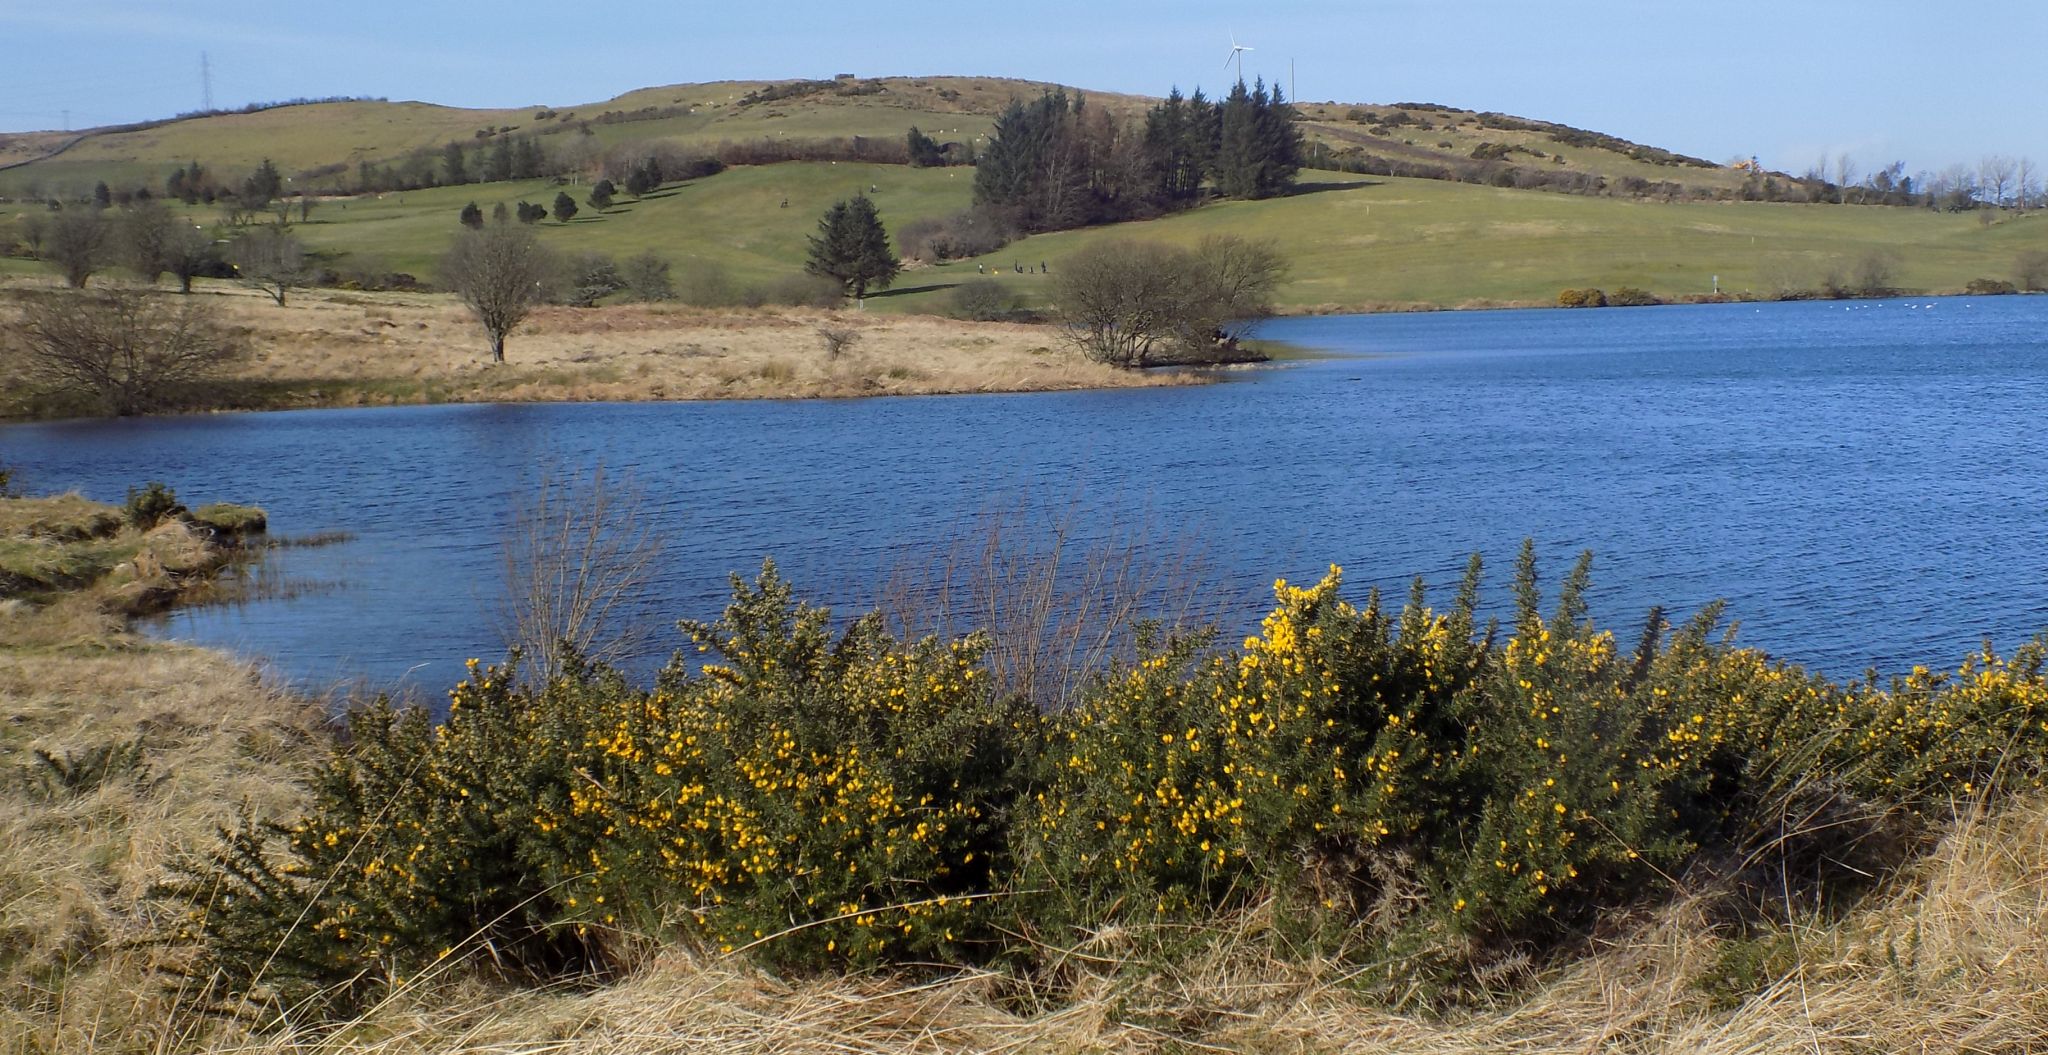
<point>335,349</point>
<point>1695,300</point>
<point>339,349</point>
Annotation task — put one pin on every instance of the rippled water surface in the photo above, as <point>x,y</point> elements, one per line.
<point>1862,483</point>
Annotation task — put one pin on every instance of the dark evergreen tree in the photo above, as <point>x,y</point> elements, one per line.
<point>528,161</point>
<point>500,214</point>
<point>852,247</point>
<point>565,207</point>
<point>472,215</point>
<point>1178,144</point>
<point>455,171</point>
<point>601,195</point>
<point>1281,142</point>
<point>925,152</point>
<point>532,212</point>
<point>1035,168</point>
<point>1258,149</point>
<point>644,179</point>
<point>498,167</point>
<point>263,185</point>
<point>102,197</point>
<point>188,183</point>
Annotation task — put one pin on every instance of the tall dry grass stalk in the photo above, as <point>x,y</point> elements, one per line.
<point>577,553</point>
<point>1057,607</point>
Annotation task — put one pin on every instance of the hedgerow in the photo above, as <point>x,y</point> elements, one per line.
<point>1401,786</point>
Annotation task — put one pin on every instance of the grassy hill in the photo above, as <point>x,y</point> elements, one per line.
<point>318,141</point>
<point>1354,241</point>
<point>303,139</point>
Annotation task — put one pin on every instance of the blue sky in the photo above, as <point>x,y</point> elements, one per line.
<point>1790,80</point>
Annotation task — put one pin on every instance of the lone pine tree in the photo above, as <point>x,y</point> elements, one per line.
<point>852,248</point>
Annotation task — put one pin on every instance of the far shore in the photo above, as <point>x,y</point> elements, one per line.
<point>332,348</point>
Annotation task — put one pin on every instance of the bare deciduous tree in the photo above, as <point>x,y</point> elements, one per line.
<point>146,228</point>
<point>501,272</point>
<point>188,252</point>
<point>77,243</point>
<point>1120,299</point>
<point>271,259</point>
<point>1237,278</point>
<point>1994,177</point>
<point>1133,304</point>
<point>129,350</point>
<point>577,554</point>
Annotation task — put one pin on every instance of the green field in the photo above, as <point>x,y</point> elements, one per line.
<point>735,220</point>
<point>1356,242</point>
<point>1353,241</point>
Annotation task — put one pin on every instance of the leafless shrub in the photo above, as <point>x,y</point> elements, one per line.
<point>982,300</point>
<point>1058,609</point>
<point>272,260</point>
<point>576,554</point>
<point>2030,270</point>
<point>127,350</point>
<point>1875,270</point>
<point>967,233</point>
<point>838,337</point>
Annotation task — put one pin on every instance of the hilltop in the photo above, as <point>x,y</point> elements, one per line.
<point>324,143</point>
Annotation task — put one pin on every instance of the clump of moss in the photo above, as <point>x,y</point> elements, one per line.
<point>228,518</point>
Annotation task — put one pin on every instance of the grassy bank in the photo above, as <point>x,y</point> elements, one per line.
<point>123,756</point>
<point>118,755</point>
<point>331,348</point>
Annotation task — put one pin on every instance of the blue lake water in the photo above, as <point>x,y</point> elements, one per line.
<point>1862,482</point>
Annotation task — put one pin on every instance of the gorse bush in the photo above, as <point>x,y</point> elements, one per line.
<point>1407,789</point>
<point>151,505</point>
<point>843,795</point>
<point>1382,769</point>
<point>852,787</point>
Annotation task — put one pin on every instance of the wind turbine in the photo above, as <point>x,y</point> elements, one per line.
<point>1236,55</point>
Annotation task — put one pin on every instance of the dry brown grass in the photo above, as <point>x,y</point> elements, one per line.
<point>76,863</point>
<point>331,348</point>
<point>59,517</point>
<point>1955,960</point>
